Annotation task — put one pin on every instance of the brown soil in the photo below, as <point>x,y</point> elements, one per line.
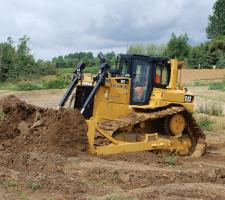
<point>27,128</point>
<point>190,75</point>
<point>42,158</point>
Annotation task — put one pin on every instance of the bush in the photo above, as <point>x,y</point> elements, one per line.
<point>58,83</point>
<point>205,123</point>
<point>171,159</point>
<point>45,68</point>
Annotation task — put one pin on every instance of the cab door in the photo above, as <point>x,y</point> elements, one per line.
<point>141,85</point>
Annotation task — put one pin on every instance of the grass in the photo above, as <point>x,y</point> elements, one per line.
<point>219,124</point>
<point>210,108</point>
<point>92,70</point>
<point>27,86</point>
<point>102,182</point>
<point>217,85</point>
<point>65,70</point>
<point>76,160</point>
<point>205,123</point>
<point>23,196</point>
<point>53,82</point>
<point>7,184</point>
<point>59,81</point>
<point>170,159</point>
<point>2,115</point>
<point>199,83</point>
<point>34,186</point>
<point>116,196</point>
<point>120,197</point>
<point>213,85</point>
<point>211,124</point>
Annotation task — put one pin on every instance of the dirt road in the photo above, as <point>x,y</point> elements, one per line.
<point>41,98</point>
<point>34,176</point>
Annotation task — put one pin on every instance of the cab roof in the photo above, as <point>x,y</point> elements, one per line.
<point>144,57</point>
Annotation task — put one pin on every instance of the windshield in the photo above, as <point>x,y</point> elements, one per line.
<point>125,67</point>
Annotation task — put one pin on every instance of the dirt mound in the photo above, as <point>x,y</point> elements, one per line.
<point>27,128</point>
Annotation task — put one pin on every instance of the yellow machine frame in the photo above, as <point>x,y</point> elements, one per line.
<point>112,101</point>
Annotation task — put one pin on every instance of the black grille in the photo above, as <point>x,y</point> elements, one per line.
<point>82,93</point>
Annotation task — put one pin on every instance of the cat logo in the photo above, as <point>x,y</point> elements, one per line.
<point>188,98</point>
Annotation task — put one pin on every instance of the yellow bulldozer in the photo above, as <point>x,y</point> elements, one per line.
<point>136,106</point>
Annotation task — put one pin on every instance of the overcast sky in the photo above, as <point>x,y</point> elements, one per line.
<point>58,27</point>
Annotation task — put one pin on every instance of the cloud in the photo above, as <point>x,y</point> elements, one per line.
<point>58,27</point>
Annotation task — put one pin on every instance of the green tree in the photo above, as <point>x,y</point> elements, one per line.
<point>59,62</point>
<point>221,62</point>
<point>155,50</point>
<point>25,63</point>
<point>71,60</point>
<point>216,50</point>
<point>197,57</point>
<point>152,50</point>
<point>111,58</point>
<point>45,68</point>
<point>147,49</point>
<point>7,58</point>
<point>136,49</point>
<point>216,24</point>
<point>16,62</point>
<point>178,47</point>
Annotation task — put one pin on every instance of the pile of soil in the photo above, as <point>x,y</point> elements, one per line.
<point>27,128</point>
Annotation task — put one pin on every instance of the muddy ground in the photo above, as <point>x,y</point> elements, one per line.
<point>61,174</point>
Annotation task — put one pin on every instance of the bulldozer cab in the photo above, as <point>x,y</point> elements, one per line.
<point>145,73</point>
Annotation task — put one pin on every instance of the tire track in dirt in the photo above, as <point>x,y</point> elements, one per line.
<point>129,176</point>
<point>181,191</point>
<point>84,176</point>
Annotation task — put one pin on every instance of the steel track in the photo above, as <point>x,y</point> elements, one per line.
<point>194,132</point>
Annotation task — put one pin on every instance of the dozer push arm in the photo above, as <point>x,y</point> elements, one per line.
<point>104,67</point>
<point>77,76</point>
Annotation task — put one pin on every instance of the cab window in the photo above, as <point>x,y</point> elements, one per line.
<point>162,74</point>
<point>125,68</point>
<point>141,73</point>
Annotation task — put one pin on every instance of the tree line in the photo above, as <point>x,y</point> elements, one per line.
<point>204,55</point>
<point>71,60</point>
<point>17,62</point>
